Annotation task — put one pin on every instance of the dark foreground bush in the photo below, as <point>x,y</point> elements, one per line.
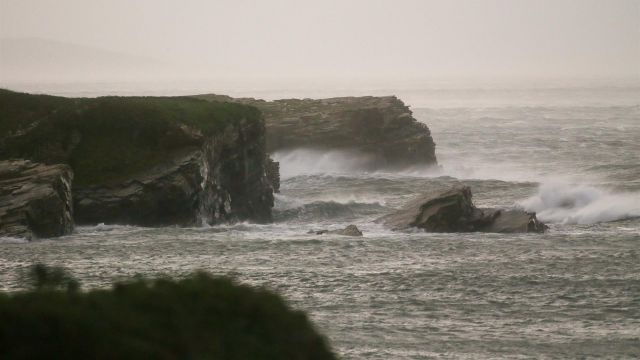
<point>200,317</point>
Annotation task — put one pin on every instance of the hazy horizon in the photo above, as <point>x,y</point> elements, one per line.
<point>492,40</point>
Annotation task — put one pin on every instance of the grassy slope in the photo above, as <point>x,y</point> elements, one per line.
<point>106,139</point>
<point>200,317</point>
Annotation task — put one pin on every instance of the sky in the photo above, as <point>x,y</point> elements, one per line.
<point>330,38</point>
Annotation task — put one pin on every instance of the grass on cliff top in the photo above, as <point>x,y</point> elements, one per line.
<point>108,138</point>
<point>198,317</point>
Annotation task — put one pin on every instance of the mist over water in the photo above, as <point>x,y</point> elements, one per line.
<point>585,160</point>
<point>533,104</point>
<point>569,293</point>
<point>316,161</point>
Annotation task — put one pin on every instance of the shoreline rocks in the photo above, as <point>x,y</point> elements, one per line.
<point>453,211</point>
<point>35,199</point>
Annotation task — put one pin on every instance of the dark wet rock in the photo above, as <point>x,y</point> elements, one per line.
<point>453,211</point>
<point>350,230</point>
<point>382,128</point>
<point>272,169</point>
<point>35,199</point>
<point>222,181</point>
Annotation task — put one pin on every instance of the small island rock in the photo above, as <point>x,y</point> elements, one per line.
<point>453,211</point>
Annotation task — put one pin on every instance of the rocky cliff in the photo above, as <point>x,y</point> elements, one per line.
<point>381,127</point>
<point>146,160</point>
<point>35,199</point>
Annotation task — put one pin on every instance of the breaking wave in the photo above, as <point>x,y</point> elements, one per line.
<point>581,204</point>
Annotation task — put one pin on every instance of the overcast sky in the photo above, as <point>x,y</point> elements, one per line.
<point>422,38</point>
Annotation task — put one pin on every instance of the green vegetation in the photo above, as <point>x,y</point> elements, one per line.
<point>106,139</point>
<point>42,277</point>
<point>199,317</point>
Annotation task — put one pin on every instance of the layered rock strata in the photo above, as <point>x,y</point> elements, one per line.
<point>35,199</point>
<point>382,128</point>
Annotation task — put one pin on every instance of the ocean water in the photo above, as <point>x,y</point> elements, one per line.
<point>570,154</point>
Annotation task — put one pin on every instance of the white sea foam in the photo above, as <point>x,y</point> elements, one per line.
<point>12,240</point>
<point>581,204</point>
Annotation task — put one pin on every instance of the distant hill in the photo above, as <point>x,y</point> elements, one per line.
<point>35,59</point>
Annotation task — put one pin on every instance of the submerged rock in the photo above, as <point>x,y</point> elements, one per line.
<point>453,211</point>
<point>381,128</point>
<point>35,199</point>
<point>350,230</point>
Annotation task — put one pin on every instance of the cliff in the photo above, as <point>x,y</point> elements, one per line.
<point>146,160</point>
<point>381,127</point>
<point>35,199</point>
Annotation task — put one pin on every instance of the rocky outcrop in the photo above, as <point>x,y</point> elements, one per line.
<point>35,199</point>
<point>350,230</point>
<point>224,180</point>
<point>453,211</point>
<point>380,127</point>
<point>148,161</point>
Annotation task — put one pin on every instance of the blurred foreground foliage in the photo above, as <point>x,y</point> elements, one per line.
<point>198,317</point>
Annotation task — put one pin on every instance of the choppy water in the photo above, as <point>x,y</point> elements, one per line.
<point>572,292</point>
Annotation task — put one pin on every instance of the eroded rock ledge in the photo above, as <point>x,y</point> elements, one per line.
<point>453,211</point>
<point>35,199</point>
<point>381,127</point>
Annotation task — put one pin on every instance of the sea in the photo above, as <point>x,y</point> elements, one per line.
<point>570,152</point>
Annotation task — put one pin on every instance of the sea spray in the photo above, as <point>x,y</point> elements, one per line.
<point>312,161</point>
<point>581,204</point>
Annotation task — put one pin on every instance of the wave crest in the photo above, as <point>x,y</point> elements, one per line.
<point>581,204</point>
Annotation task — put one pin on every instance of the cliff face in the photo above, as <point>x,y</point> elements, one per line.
<point>234,175</point>
<point>147,161</point>
<point>223,180</point>
<point>35,199</point>
<point>382,127</point>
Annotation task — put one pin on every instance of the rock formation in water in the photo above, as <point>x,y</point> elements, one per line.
<point>350,230</point>
<point>453,211</point>
<point>35,199</point>
<point>146,160</point>
<point>382,128</point>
